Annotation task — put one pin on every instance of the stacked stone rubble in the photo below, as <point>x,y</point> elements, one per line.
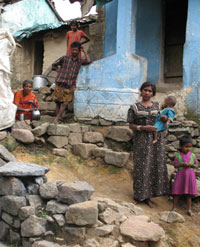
<point>37,213</point>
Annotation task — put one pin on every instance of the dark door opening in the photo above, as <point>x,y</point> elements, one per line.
<point>175,28</point>
<point>38,57</point>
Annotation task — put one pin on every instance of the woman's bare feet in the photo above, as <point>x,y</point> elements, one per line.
<point>190,213</point>
<point>149,203</point>
<point>135,202</point>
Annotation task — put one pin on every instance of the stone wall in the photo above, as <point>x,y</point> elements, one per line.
<point>38,213</point>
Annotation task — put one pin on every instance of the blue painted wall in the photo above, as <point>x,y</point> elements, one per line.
<point>111,28</point>
<point>191,59</point>
<point>108,87</point>
<point>149,36</point>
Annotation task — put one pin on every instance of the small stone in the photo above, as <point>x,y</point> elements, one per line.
<point>119,133</point>
<point>10,220</point>
<point>76,128</point>
<point>40,130</point>
<point>12,204</point>
<point>33,226</point>
<point>171,217</point>
<point>75,138</point>
<point>58,130</point>
<point>25,212</point>
<point>84,213</point>
<point>60,152</point>
<point>34,201</point>
<point>6,155</point>
<point>171,138</point>
<point>116,158</point>
<point>76,192</point>
<point>84,150</point>
<point>93,137</point>
<point>49,190</point>
<point>60,219</point>
<point>58,141</point>
<point>3,134</point>
<point>56,207</point>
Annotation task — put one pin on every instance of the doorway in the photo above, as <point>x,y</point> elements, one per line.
<point>38,57</point>
<point>175,28</point>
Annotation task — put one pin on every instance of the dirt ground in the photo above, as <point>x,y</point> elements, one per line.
<point>114,183</point>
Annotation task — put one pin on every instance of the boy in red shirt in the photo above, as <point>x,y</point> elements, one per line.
<point>75,35</point>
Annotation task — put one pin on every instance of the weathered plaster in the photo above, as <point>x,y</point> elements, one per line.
<point>107,87</point>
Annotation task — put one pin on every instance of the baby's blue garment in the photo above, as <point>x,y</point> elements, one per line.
<point>166,111</point>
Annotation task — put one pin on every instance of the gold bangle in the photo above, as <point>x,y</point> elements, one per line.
<point>138,127</point>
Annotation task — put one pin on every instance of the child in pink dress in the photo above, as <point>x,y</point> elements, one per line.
<point>185,181</point>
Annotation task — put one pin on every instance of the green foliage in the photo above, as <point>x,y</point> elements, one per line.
<point>42,214</point>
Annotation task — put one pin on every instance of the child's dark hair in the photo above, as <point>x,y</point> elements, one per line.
<point>185,140</point>
<point>148,84</point>
<point>76,44</point>
<point>171,100</point>
<point>74,23</point>
<point>27,82</point>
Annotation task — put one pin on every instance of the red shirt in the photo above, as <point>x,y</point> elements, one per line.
<point>74,36</point>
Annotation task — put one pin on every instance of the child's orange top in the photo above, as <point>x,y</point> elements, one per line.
<point>74,36</point>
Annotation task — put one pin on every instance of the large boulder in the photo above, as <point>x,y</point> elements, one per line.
<point>22,169</point>
<point>23,135</point>
<point>140,228</point>
<point>76,192</point>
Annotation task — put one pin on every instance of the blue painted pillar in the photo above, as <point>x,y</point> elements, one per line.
<point>126,26</point>
<point>107,87</point>
<point>191,59</point>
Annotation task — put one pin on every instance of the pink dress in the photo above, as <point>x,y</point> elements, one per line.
<point>185,181</point>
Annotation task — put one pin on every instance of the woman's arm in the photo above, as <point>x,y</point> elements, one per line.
<point>148,128</point>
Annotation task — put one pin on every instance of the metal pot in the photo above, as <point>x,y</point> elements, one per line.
<point>21,117</point>
<point>35,115</point>
<point>39,81</point>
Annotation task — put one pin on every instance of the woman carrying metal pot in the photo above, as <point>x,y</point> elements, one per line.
<point>26,101</point>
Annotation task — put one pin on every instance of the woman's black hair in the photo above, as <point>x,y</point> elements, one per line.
<point>149,84</point>
<point>76,44</point>
<point>27,82</point>
<point>74,23</point>
<point>185,140</point>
